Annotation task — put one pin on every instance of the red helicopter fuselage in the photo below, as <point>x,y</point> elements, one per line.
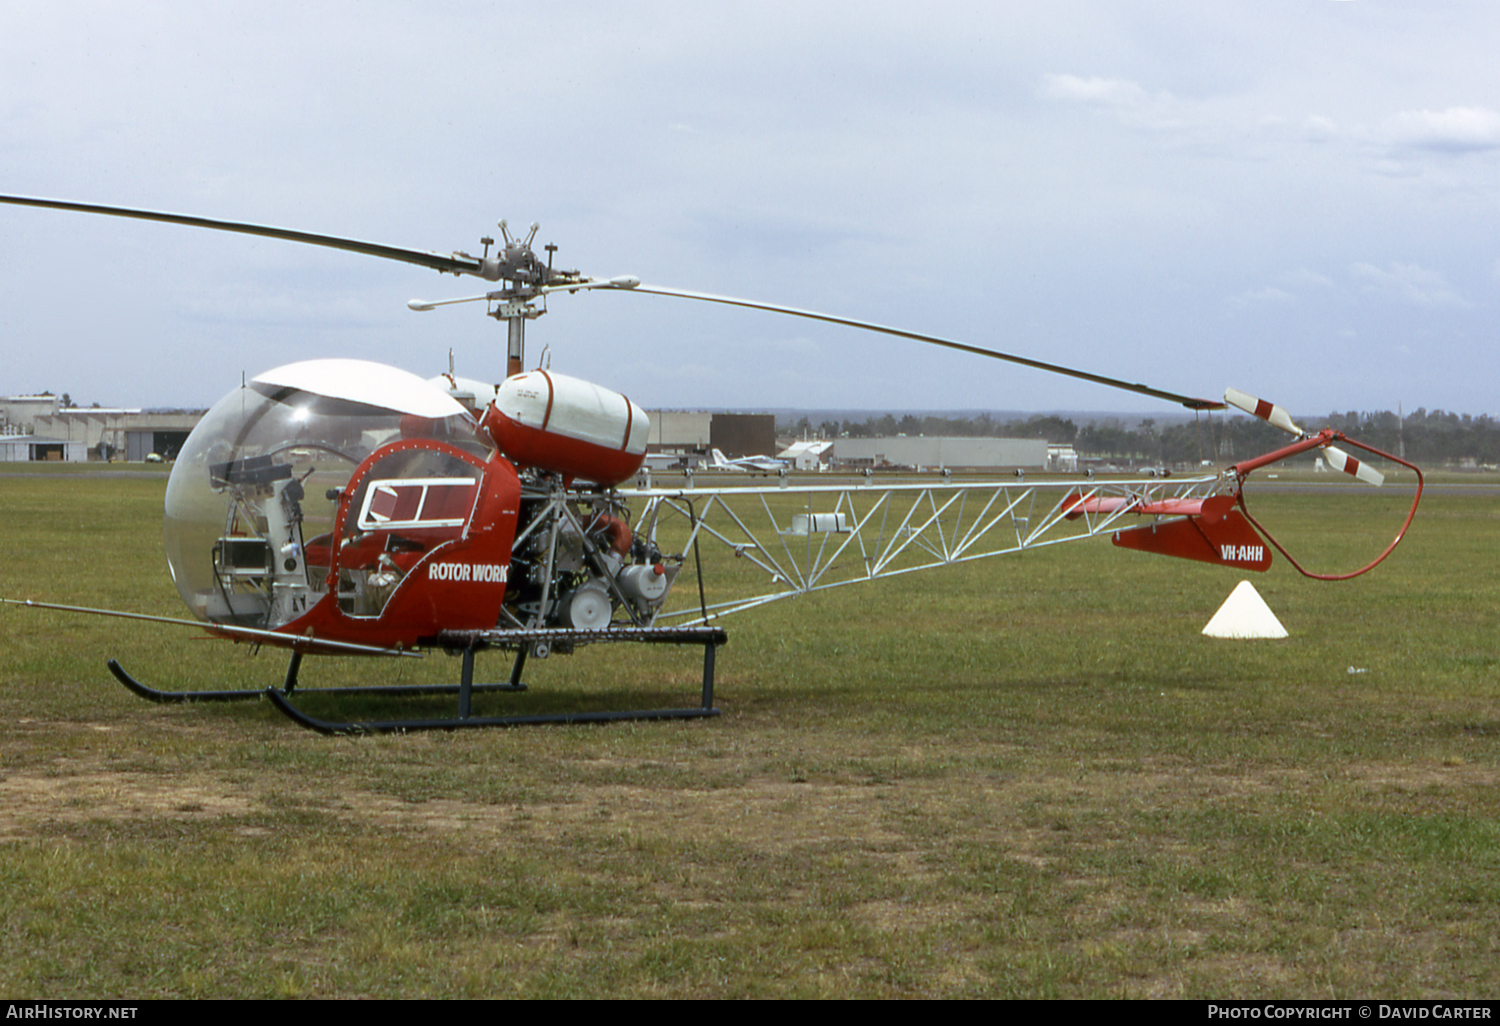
<point>412,535</point>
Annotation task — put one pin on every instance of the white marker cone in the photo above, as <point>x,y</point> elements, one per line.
<point>1244,614</point>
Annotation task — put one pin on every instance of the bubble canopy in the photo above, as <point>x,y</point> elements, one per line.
<point>360,381</point>
<point>247,502</point>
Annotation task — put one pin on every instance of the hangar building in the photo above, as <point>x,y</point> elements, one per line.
<point>35,432</point>
<point>690,433</point>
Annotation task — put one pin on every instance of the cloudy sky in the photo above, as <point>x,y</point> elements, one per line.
<point>1300,198</point>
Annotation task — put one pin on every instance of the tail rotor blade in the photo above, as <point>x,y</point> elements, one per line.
<point>1277,417</point>
<point>1268,412</point>
<point>1338,459</point>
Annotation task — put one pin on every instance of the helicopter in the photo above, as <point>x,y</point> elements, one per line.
<point>343,507</point>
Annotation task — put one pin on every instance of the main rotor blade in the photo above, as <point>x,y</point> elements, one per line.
<point>450,263</point>
<point>963,347</point>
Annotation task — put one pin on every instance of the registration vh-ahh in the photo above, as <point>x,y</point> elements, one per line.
<point>343,507</point>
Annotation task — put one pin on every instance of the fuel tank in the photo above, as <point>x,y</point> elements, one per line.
<point>569,426</point>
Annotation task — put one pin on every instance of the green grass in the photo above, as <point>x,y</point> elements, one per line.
<point>1025,777</point>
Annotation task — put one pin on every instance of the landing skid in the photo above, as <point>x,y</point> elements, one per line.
<point>467,644</point>
<point>151,694</point>
<point>301,718</point>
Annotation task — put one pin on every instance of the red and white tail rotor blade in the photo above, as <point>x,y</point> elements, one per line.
<point>1268,412</point>
<point>1277,417</point>
<point>1338,459</point>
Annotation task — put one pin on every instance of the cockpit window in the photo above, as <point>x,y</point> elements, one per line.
<point>404,504</point>
<point>251,506</point>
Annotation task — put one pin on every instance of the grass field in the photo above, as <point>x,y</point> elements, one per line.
<point>1029,776</point>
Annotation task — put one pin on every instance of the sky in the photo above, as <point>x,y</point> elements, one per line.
<point>1296,198</point>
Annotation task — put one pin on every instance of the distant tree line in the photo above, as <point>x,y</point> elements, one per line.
<point>1432,438</point>
<point>1435,437</point>
<point>1058,430</point>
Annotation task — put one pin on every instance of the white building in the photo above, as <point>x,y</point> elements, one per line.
<point>1062,458</point>
<point>19,412</point>
<point>19,448</point>
<point>92,433</point>
<point>807,455</point>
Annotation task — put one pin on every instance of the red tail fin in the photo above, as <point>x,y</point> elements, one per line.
<point>1227,540</point>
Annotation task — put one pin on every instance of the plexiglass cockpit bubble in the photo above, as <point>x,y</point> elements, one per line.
<point>252,498</point>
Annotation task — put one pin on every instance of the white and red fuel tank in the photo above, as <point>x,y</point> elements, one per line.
<point>569,426</point>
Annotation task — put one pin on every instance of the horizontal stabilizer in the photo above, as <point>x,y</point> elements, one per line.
<point>1210,509</point>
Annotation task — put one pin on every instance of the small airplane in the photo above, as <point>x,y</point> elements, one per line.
<point>751,464</point>
<point>338,506</point>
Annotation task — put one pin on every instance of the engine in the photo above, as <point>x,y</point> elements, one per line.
<point>578,564</point>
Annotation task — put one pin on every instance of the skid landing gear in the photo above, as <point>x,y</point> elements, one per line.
<point>151,694</point>
<point>467,644</point>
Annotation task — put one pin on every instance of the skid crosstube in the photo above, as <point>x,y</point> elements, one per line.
<point>523,642</point>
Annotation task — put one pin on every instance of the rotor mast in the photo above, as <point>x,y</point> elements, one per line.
<point>524,278</point>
